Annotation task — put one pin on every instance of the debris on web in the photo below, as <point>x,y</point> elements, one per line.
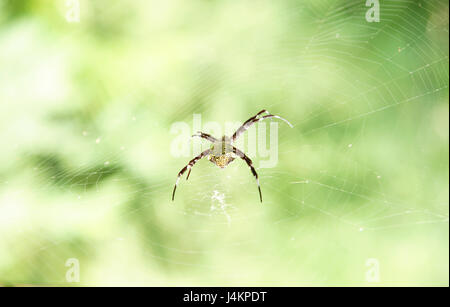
<point>219,206</point>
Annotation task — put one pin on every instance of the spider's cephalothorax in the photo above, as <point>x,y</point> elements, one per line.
<point>222,152</point>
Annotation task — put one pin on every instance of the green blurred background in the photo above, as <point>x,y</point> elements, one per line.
<point>86,170</point>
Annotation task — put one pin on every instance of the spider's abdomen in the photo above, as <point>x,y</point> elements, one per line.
<point>221,161</point>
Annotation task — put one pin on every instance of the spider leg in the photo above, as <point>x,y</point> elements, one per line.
<point>275,116</point>
<point>189,166</point>
<point>249,162</point>
<point>244,127</point>
<point>247,124</point>
<point>254,117</point>
<point>187,177</point>
<point>206,136</point>
<point>257,114</point>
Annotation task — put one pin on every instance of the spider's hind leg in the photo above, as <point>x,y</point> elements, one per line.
<point>249,162</point>
<point>189,166</point>
<point>187,177</point>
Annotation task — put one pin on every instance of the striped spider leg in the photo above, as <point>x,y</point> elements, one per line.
<point>205,136</point>
<point>189,166</point>
<point>249,122</point>
<point>249,162</point>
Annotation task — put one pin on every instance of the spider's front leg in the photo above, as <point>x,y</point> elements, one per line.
<point>206,136</point>
<point>189,166</point>
<point>249,122</point>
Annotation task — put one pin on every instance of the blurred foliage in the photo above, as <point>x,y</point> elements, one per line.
<point>86,110</point>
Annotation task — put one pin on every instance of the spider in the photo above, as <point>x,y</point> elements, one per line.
<point>222,152</point>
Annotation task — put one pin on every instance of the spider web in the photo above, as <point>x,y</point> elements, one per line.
<point>363,174</point>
